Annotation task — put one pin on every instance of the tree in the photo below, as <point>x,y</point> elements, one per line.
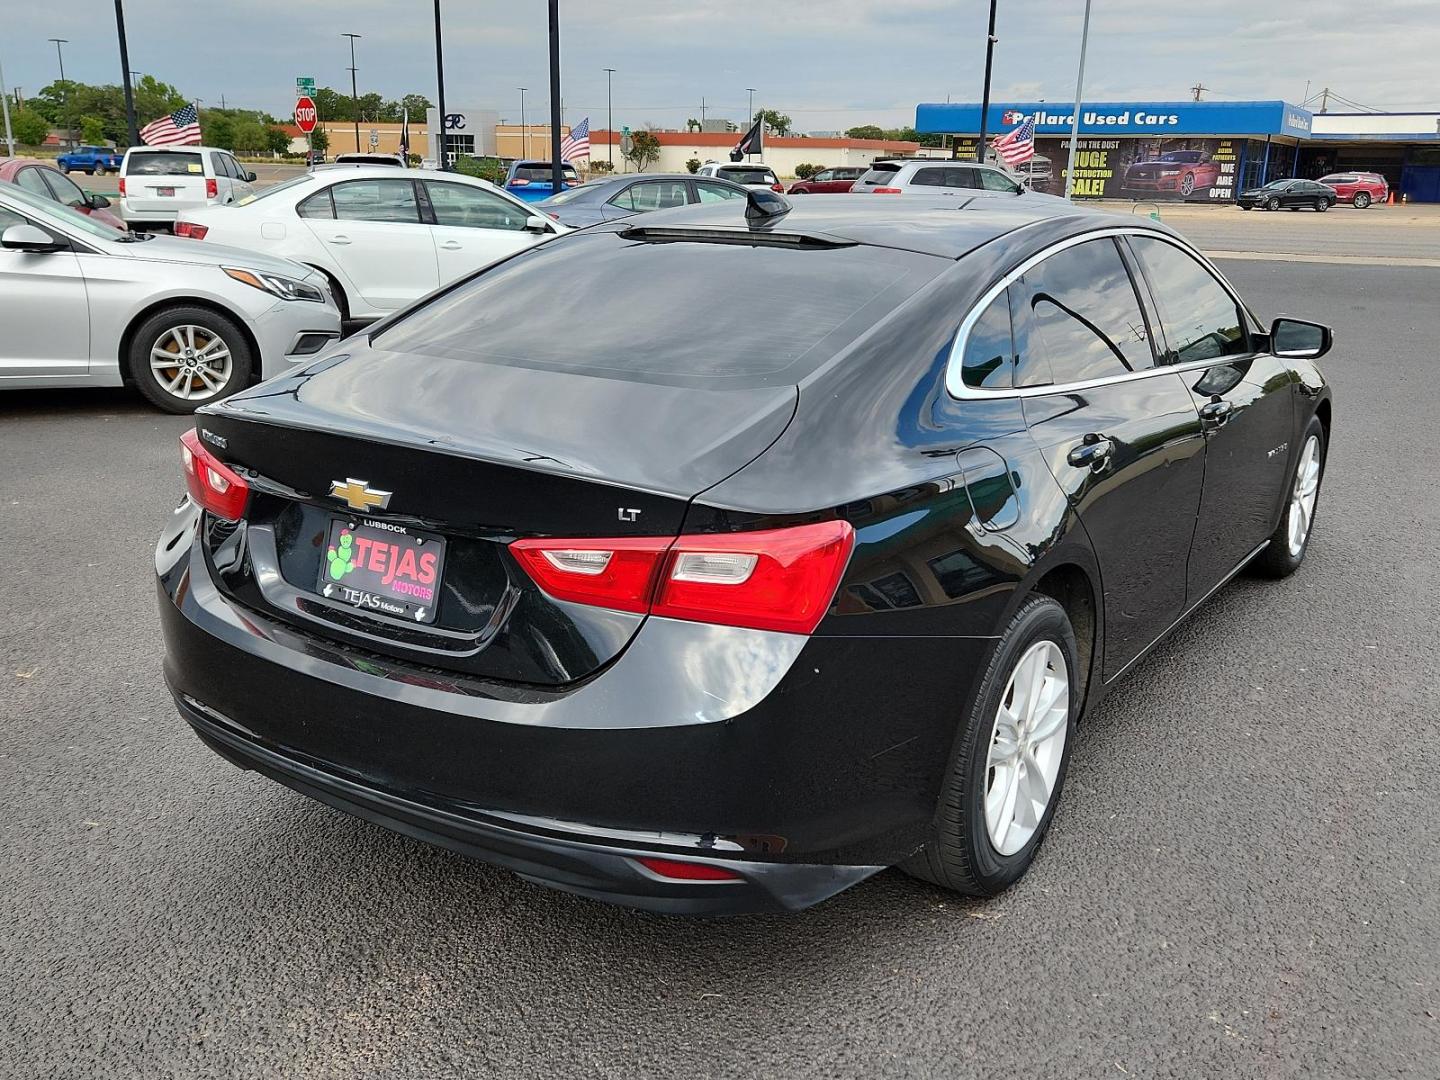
<point>865,131</point>
<point>417,104</point>
<point>777,122</point>
<point>92,130</point>
<point>694,164</point>
<point>693,125</point>
<point>250,137</point>
<point>644,150</point>
<point>319,140</point>
<point>333,105</point>
<point>29,126</point>
<point>218,128</point>
<point>805,170</point>
<point>276,140</point>
<point>601,166</point>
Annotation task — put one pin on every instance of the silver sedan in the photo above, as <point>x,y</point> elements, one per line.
<point>184,323</point>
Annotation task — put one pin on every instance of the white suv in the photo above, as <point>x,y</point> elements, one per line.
<point>754,174</point>
<point>928,176</point>
<point>157,183</point>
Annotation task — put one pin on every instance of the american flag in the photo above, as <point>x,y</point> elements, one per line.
<point>577,143</point>
<point>1017,147</point>
<point>180,128</point>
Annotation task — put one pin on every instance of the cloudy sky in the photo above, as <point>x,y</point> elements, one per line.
<point>828,63</point>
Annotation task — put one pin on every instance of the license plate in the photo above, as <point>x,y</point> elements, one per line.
<point>382,568</point>
<point>164,191</point>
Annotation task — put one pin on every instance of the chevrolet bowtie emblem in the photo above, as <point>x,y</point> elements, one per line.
<point>359,495</point>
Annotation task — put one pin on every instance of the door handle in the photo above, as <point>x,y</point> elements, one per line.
<point>451,245</point>
<point>1216,412</point>
<point>340,238</point>
<point>1091,453</point>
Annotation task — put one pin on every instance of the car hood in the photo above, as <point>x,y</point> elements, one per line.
<point>201,253</point>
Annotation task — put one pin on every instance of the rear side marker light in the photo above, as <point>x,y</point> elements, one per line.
<point>889,191</point>
<point>213,485</point>
<point>676,870</point>
<point>212,189</point>
<point>770,579</point>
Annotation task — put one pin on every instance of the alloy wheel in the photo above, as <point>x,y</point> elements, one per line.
<point>1273,204</point>
<point>1027,746</point>
<point>1187,184</point>
<point>1303,493</point>
<point>190,362</point>
<point>1322,205</point>
<point>1362,200</point>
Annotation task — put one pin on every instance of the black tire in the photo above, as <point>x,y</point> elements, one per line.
<point>90,171</point>
<point>960,854</point>
<point>1321,205</point>
<point>1243,206</point>
<point>1272,204</point>
<point>1362,200</point>
<point>1279,560</point>
<point>65,169</point>
<point>148,335</point>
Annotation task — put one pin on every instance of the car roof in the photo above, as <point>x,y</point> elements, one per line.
<point>930,225</point>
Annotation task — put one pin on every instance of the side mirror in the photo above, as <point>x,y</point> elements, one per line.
<point>96,202</point>
<point>1300,339</point>
<point>250,177</point>
<point>535,223</point>
<point>29,238</point>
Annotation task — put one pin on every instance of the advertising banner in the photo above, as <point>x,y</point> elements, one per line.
<point>1190,170</point>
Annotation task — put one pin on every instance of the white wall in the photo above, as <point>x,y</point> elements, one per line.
<point>1376,124</point>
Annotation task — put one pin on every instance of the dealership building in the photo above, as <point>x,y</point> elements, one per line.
<point>1202,150</point>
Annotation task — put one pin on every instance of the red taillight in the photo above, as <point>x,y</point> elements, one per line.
<point>212,189</point>
<point>213,485</point>
<point>771,579</point>
<point>190,229</point>
<point>677,870</point>
<point>519,183</point>
<point>778,187</point>
<point>889,191</point>
<point>122,185</point>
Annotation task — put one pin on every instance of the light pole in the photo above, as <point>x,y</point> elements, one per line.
<point>354,94</point>
<point>64,90</point>
<point>557,167</point>
<point>748,155</point>
<point>609,119</point>
<point>1075,120</point>
<point>5,105</point>
<point>524,128</point>
<point>985,97</point>
<point>134,128</point>
<point>440,89</point>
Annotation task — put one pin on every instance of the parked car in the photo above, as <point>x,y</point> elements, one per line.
<point>701,611</point>
<point>1292,194</point>
<point>89,159</point>
<point>370,159</point>
<point>382,239</point>
<point>1360,188</point>
<point>83,305</point>
<point>315,157</point>
<point>159,183</point>
<point>43,179</point>
<point>932,176</point>
<point>635,193</point>
<point>834,181</point>
<point>754,174</point>
<point>1176,172</point>
<point>1037,174</point>
<point>534,181</point>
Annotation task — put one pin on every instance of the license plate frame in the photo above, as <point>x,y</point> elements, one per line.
<point>354,572</point>
<point>165,192</point>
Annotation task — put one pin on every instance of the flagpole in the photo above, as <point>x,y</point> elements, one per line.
<point>1075,119</point>
<point>985,101</point>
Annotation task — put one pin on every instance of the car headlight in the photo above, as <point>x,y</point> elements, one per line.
<point>283,287</point>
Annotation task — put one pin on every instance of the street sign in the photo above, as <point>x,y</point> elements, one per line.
<point>304,86</point>
<point>305,115</point>
<point>374,138</point>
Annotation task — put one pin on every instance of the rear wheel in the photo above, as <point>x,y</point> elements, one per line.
<point>1362,200</point>
<point>1321,205</point>
<point>183,357</point>
<point>1291,538</point>
<point>1010,758</point>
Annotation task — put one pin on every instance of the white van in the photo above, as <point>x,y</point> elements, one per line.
<point>159,183</point>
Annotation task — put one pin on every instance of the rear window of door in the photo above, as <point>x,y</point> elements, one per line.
<point>65,189</point>
<point>1200,318</point>
<point>1080,318</point>
<point>465,207</point>
<point>376,200</point>
<point>709,191</point>
<point>652,195</point>
<point>985,362</point>
<point>165,163</point>
<point>31,180</point>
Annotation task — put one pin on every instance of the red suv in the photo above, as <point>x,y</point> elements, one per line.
<point>1360,188</point>
<point>44,179</point>
<point>834,181</point>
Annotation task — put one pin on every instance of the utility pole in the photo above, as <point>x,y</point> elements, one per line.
<point>524,127</point>
<point>1198,89</point>
<point>985,96</point>
<point>702,114</point>
<point>444,161</point>
<point>65,89</point>
<point>557,170</point>
<point>132,127</point>
<point>5,105</point>
<point>1075,119</point>
<point>1324,97</point>
<point>354,94</point>
<point>609,119</point>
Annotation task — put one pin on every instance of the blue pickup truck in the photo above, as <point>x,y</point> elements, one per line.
<point>89,159</point>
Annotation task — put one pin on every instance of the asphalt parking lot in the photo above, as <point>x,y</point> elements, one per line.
<point>1242,880</point>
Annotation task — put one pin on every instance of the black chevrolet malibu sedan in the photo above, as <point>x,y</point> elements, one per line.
<point>771,547</point>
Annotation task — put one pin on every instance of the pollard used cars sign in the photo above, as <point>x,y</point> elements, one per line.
<point>1253,118</point>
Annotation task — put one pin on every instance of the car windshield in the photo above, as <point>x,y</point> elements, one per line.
<point>748,176</point>
<point>801,308</point>
<point>265,193</point>
<point>71,219</point>
<point>1276,185</point>
<point>164,163</point>
<point>1183,156</point>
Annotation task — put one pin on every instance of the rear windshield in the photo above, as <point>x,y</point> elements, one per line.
<point>165,163</point>
<point>696,314</point>
<point>880,173</point>
<point>540,171</point>
<point>748,176</point>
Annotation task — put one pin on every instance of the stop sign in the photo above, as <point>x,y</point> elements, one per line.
<point>305,115</point>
